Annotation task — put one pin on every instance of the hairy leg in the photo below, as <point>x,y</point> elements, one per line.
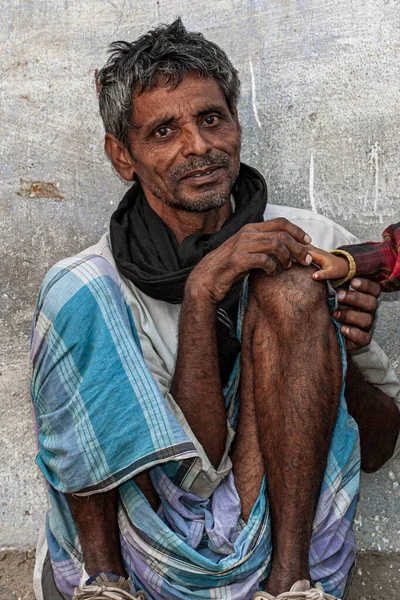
<point>296,389</point>
<point>96,520</point>
<point>247,459</point>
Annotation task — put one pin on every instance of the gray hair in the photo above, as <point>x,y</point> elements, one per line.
<point>163,56</point>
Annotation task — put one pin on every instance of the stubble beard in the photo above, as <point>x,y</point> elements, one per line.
<point>207,200</point>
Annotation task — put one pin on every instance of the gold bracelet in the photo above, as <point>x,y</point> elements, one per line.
<point>352,267</point>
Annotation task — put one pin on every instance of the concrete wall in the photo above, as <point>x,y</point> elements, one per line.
<point>320,114</point>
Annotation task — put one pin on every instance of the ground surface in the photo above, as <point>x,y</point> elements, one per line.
<point>16,573</point>
<point>377,576</point>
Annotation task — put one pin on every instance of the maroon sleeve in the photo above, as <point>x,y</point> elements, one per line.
<point>380,261</point>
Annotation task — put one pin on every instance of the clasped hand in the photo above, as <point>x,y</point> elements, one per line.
<point>357,310</point>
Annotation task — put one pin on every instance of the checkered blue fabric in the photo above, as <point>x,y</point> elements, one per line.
<point>101,419</point>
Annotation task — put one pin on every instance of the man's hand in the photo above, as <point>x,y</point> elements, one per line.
<point>358,320</point>
<point>255,246</point>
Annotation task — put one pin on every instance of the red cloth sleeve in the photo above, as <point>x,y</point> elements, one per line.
<point>380,261</point>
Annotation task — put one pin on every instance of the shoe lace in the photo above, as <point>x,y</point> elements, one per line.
<point>102,592</point>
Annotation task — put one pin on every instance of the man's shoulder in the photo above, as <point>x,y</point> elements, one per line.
<point>324,232</point>
<point>87,270</point>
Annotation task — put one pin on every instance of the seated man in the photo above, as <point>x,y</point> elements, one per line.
<point>188,379</point>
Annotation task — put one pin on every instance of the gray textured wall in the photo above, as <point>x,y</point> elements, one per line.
<point>320,114</point>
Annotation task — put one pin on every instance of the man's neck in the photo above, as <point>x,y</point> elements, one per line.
<point>184,223</point>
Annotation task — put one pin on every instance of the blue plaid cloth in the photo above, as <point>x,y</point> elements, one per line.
<point>101,419</point>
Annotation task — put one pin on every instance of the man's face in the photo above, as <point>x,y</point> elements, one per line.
<point>185,145</point>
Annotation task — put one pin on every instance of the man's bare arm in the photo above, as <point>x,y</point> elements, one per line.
<point>377,417</point>
<point>375,413</point>
<point>196,385</point>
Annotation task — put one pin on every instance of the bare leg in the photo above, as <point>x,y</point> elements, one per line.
<point>295,355</point>
<point>247,459</point>
<point>96,520</point>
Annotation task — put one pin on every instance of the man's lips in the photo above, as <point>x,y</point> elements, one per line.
<point>208,173</point>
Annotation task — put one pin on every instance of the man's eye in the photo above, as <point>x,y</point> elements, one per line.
<point>211,120</point>
<point>162,132</point>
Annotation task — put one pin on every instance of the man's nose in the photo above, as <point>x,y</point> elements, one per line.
<point>194,141</point>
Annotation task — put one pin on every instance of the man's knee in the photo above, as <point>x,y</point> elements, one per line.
<point>290,296</point>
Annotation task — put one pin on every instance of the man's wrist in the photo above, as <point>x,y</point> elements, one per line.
<point>198,294</point>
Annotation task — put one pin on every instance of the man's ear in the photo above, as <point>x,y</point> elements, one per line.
<point>119,156</point>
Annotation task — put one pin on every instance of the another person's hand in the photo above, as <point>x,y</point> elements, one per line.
<point>357,311</point>
<point>333,266</point>
<point>256,246</point>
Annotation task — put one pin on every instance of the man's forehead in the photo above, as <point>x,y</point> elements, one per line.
<point>164,100</point>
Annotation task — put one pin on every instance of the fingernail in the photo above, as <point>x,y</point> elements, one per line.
<point>355,283</point>
<point>308,259</point>
<point>307,239</point>
<point>345,330</point>
<point>337,314</point>
<point>341,295</point>
<point>315,275</point>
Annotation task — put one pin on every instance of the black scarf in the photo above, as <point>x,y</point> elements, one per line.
<point>147,253</point>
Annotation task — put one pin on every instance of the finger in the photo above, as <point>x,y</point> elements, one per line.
<point>297,251</point>
<point>318,255</point>
<point>282,224</point>
<point>321,274</point>
<point>365,302</point>
<point>362,320</point>
<point>356,336</point>
<point>352,345</point>
<point>244,263</point>
<point>279,244</point>
<point>269,266</point>
<point>366,285</point>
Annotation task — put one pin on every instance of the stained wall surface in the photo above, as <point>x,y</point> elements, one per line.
<point>320,116</point>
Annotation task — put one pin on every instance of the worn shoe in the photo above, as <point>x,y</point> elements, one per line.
<point>102,588</point>
<point>299,591</point>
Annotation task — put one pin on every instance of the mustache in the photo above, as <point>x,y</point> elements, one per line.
<point>199,163</point>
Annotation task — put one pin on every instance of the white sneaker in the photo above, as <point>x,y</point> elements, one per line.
<point>299,591</point>
<point>104,589</point>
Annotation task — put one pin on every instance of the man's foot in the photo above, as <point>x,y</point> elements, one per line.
<point>299,591</point>
<point>105,588</point>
